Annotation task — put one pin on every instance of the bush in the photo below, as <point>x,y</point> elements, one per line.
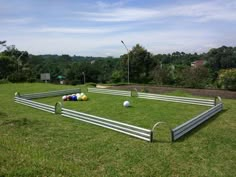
<point>227,79</point>
<point>91,84</point>
<point>17,77</point>
<point>4,81</point>
<point>116,76</point>
<point>75,82</point>
<point>195,77</point>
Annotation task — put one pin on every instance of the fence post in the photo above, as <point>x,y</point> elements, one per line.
<point>156,125</point>
<point>17,94</point>
<point>134,93</point>
<point>58,108</point>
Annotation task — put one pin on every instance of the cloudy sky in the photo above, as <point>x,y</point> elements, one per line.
<point>95,28</point>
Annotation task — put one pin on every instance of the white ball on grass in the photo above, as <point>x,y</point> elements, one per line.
<point>64,97</point>
<point>126,104</point>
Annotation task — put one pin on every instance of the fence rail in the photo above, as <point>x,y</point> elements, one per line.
<point>110,92</point>
<point>49,94</point>
<point>196,101</point>
<point>184,128</point>
<point>131,130</point>
<point>138,132</point>
<point>34,104</point>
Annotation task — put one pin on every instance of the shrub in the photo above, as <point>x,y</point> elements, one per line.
<point>91,84</point>
<point>17,77</point>
<point>4,81</point>
<point>227,79</point>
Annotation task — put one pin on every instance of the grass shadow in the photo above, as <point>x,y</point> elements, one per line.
<point>198,128</point>
<point>16,122</point>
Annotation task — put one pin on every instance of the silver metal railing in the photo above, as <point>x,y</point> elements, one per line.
<point>34,104</point>
<point>138,132</point>
<point>197,101</point>
<point>186,127</point>
<point>110,91</point>
<point>49,94</point>
<point>131,130</point>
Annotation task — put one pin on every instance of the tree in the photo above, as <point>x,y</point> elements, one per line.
<point>227,79</point>
<point>140,64</point>
<point>195,77</point>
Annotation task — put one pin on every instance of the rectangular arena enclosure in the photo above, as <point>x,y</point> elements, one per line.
<point>212,107</point>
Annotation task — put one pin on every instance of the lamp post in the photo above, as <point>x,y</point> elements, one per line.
<point>128,57</point>
<point>18,59</point>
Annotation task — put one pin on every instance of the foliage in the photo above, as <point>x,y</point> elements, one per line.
<point>116,76</point>
<point>227,79</point>
<point>221,58</point>
<point>195,77</point>
<point>144,67</point>
<point>139,64</point>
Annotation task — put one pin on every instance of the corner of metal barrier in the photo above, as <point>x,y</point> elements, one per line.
<point>17,94</point>
<point>134,92</point>
<point>156,125</point>
<point>58,108</point>
<point>219,99</point>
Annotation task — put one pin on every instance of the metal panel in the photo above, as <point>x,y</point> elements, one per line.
<point>50,94</point>
<point>36,105</point>
<point>109,91</point>
<point>131,130</point>
<point>197,101</point>
<point>184,128</point>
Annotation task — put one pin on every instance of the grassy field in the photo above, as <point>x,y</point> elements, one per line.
<point>36,143</point>
<point>144,113</point>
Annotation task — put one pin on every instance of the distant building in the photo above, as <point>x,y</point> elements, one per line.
<point>198,63</point>
<point>92,62</point>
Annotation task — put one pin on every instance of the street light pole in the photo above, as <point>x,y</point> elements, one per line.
<point>18,59</point>
<point>128,57</point>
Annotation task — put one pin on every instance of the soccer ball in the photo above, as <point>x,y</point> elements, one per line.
<point>74,98</point>
<point>84,98</point>
<point>64,98</point>
<point>126,104</point>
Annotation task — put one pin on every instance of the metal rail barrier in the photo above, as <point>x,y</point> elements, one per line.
<point>34,104</point>
<point>131,130</point>
<point>197,101</point>
<point>138,132</point>
<point>49,94</point>
<point>184,128</point>
<point>110,92</point>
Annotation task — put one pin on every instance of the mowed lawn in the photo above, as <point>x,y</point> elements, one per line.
<point>37,143</point>
<point>144,113</point>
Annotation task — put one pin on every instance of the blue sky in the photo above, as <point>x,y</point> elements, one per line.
<point>95,28</point>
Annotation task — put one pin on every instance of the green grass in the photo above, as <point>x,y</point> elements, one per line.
<point>144,113</point>
<point>36,143</point>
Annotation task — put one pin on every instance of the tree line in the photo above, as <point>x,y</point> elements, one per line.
<point>218,70</point>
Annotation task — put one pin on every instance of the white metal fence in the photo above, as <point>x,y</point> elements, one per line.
<point>197,101</point>
<point>131,130</point>
<point>50,94</point>
<point>34,104</point>
<point>110,91</point>
<point>184,128</point>
<point>138,132</point>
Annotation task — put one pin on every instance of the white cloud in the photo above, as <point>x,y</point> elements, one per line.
<point>102,4</point>
<point>16,21</point>
<point>77,30</point>
<point>165,41</point>
<point>205,11</point>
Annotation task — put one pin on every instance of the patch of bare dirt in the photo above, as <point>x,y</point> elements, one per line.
<point>197,92</point>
